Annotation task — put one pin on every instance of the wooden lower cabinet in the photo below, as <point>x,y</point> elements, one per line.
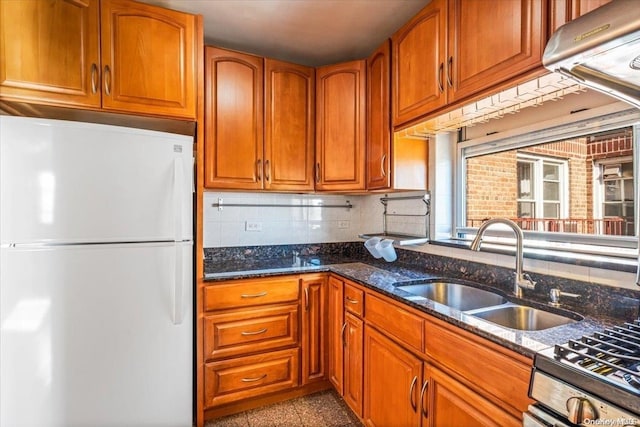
<point>335,290</point>
<point>447,402</point>
<point>392,379</point>
<point>346,329</point>
<point>353,358</point>
<point>314,326</point>
<point>241,378</point>
<point>242,332</point>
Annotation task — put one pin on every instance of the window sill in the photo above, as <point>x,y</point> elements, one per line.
<point>566,257</point>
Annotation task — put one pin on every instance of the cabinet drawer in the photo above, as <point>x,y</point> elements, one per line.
<point>504,374</point>
<point>399,323</point>
<point>244,293</point>
<point>353,300</point>
<point>232,380</point>
<point>250,331</point>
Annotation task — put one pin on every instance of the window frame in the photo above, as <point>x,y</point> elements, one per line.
<point>587,122</point>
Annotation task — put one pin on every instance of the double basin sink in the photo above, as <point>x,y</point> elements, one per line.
<point>486,305</point>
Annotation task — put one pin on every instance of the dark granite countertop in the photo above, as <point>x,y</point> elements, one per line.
<point>385,278</point>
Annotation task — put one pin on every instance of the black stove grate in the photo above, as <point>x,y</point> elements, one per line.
<point>615,350</point>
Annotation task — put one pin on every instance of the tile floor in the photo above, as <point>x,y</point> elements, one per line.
<point>324,409</point>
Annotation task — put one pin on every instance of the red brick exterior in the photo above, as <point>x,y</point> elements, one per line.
<point>491,187</point>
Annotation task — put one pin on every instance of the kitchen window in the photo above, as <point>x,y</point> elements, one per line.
<point>571,187</point>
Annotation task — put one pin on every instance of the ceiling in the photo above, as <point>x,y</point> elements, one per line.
<point>308,32</point>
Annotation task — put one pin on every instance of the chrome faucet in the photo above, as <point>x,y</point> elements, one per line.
<point>522,280</point>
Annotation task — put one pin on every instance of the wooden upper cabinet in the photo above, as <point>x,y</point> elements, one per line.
<point>116,55</point>
<point>340,126</point>
<point>289,126</point>
<point>454,49</point>
<point>50,52</point>
<point>149,59</point>
<point>418,56</point>
<point>379,118</point>
<point>233,119</point>
<point>563,11</point>
<point>491,42</point>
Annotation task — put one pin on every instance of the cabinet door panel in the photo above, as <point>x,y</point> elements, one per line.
<point>50,51</point>
<point>148,59</point>
<point>391,382</point>
<point>313,329</point>
<point>290,126</point>
<point>491,42</point>
<point>341,132</point>
<point>378,118</point>
<point>353,363</point>
<point>453,404</point>
<point>233,119</point>
<point>418,55</point>
<point>335,324</point>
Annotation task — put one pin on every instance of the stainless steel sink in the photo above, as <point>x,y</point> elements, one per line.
<point>455,295</point>
<point>522,317</point>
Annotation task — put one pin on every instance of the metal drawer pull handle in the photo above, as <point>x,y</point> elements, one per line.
<point>261,294</point>
<point>382,169</point>
<point>425,410</point>
<point>440,81</point>
<point>107,80</point>
<point>261,331</point>
<point>352,301</point>
<point>449,67</point>
<point>252,380</point>
<point>413,385</point>
<point>306,299</point>
<point>344,342</point>
<point>259,169</point>
<point>94,78</point>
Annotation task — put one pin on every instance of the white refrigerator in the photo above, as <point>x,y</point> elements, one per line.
<point>96,275</point>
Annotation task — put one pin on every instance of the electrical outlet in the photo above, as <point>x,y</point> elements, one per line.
<point>343,224</point>
<point>252,226</point>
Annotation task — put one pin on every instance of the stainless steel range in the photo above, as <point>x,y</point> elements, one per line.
<point>594,380</point>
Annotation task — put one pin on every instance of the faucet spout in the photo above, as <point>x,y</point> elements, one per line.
<point>522,280</point>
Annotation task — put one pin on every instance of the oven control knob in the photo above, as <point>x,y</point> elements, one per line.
<point>580,409</point>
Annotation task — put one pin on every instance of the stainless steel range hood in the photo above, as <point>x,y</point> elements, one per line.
<point>601,50</point>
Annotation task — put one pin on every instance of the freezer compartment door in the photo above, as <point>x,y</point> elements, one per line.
<point>81,182</point>
<point>97,335</point>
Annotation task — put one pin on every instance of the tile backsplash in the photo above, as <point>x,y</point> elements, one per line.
<point>302,222</point>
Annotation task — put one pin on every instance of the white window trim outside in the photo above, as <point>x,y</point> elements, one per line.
<point>538,162</point>
<point>596,120</point>
<point>598,190</point>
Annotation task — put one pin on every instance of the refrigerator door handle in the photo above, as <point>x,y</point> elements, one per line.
<point>178,283</point>
<point>178,185</point>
